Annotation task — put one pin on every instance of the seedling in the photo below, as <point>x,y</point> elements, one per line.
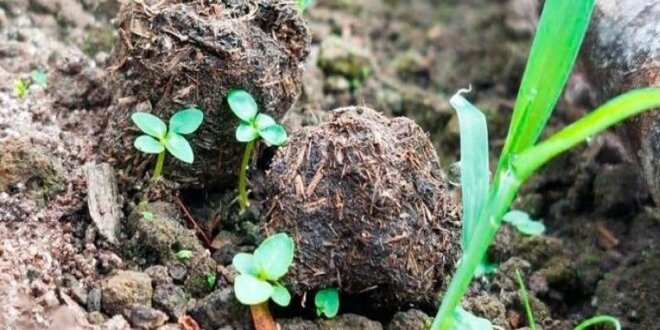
<point>21,87</point>
<point>253,125</point>
<point>560,33</point>
<point>184,255</point>
<point>327,302</point>
<point>524,298</point>
<point>304,4</point>
<point>159,138</point>
<point>210,278</point>
<point>39,77</point>
<point>524,223</point>
<point>259,275</point>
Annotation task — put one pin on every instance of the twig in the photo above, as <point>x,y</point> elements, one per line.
<point>202,234</point>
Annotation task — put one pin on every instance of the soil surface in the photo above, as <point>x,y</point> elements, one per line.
<point>58,270</point>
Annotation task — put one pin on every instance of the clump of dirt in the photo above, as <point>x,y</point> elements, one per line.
<point>172,54</point>
<point>367,204</point>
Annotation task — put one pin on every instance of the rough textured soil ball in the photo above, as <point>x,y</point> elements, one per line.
<point>366,202</point>
<point>172,54</point>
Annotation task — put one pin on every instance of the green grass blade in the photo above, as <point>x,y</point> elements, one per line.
<point>599,319</point>
<point>559,35</point>
<point>474,163</point>
<point>524,297</point>
<point>608,114</point>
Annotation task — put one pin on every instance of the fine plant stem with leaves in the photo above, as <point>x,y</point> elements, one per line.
<point>159,165</point>
<point>560,32</point>
<point>242,177</point>
<point>252,126</point>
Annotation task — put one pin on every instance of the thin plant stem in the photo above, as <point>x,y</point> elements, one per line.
<point>242,177</point>
<point>524,297</point>
<point>159,165</point>
<point>261,316</point>
<point>599,319</point>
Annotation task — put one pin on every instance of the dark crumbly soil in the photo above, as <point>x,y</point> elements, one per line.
<point>400,57</point>
<point>173,54</point>
<point>366,202</point>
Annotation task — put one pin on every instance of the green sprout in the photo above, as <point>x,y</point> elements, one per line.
<point>39,77</point>
<point>559,35</point>
<point>159,138</point>
<point>210,278</point>
<point>146,215</point>
<point>524,223</point>
<point>184,255</point>
<point>253,125</point>
<point>524,298</point>
<point>327,302</point>
<point>21,87</point>
<point>304,4</point>
<point>261,271</point>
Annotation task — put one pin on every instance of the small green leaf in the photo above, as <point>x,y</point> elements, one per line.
<point>244,264</point>
<point>149,145</point>
<point>246,132</point>
<point>281,295</point>
<point>304,4</point>
<point>184,255</point>
<point>150,124</point>
<point>210,278</point>
<point>274,256</point>
<point>485,268</point>
<point>274,134</point>
<point>327,302</point>
<point>250,290</point>
<point>263,120</point>
<point>146,215</point>
<point>243,105</point>
<point>179,147</point>
<point>39,77</point>
<point>464,320</point>
<point>186,121</point>
<point>524,223</point>
<point>20,88</point>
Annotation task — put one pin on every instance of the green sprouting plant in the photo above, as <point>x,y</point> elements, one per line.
<point>524,298</point>
<point>39,77</point>
<point>184,254</point>
<point>327,302</point>
<point>159,138</point>
<point>21,87</point>
<point>253,125</point>
<point>560,33</point>
<point>524,223</point>
<point>259,275</point>
<point>210,278</point>
<point>304,4</point>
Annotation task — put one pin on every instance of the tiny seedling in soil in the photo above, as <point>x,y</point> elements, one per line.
<point>259,275</point>
<point>210,278</point>
<point>21,87</point>
<point>184,255</point>
<point>327,302</point>
<point>524,223</point>
<point>253,125</point>
<point>39,77</point>
<point>159,138</point>
<point>560,33</point>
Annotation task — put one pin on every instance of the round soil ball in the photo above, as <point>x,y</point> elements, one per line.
<point>364,198</point>
<point>173,54</point>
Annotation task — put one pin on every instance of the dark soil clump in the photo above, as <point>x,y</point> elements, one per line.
<point>174,54</point>
<point>365,200</point>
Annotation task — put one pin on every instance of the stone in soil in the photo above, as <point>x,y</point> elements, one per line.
<point>176,54</point>
<point>123,289</point>
<point>622,52</point>
<point>220,309</point>
<point>171,299</point>
<point>158,238</point>
<point>366,202</point>
<point>349,321</point>
<point>144,317</point>
<point>411,319</point>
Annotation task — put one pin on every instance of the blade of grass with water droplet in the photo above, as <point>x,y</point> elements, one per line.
<point>559,35</point>
<point>474,163</point>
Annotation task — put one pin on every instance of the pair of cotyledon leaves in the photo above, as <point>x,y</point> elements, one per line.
<point>158,137</point>
<point>254,124</point>
<point>260,271</point>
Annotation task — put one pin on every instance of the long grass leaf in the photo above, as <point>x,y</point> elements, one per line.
<point>608,114</point>
<point>559,35</point>
<point>474,163</point>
